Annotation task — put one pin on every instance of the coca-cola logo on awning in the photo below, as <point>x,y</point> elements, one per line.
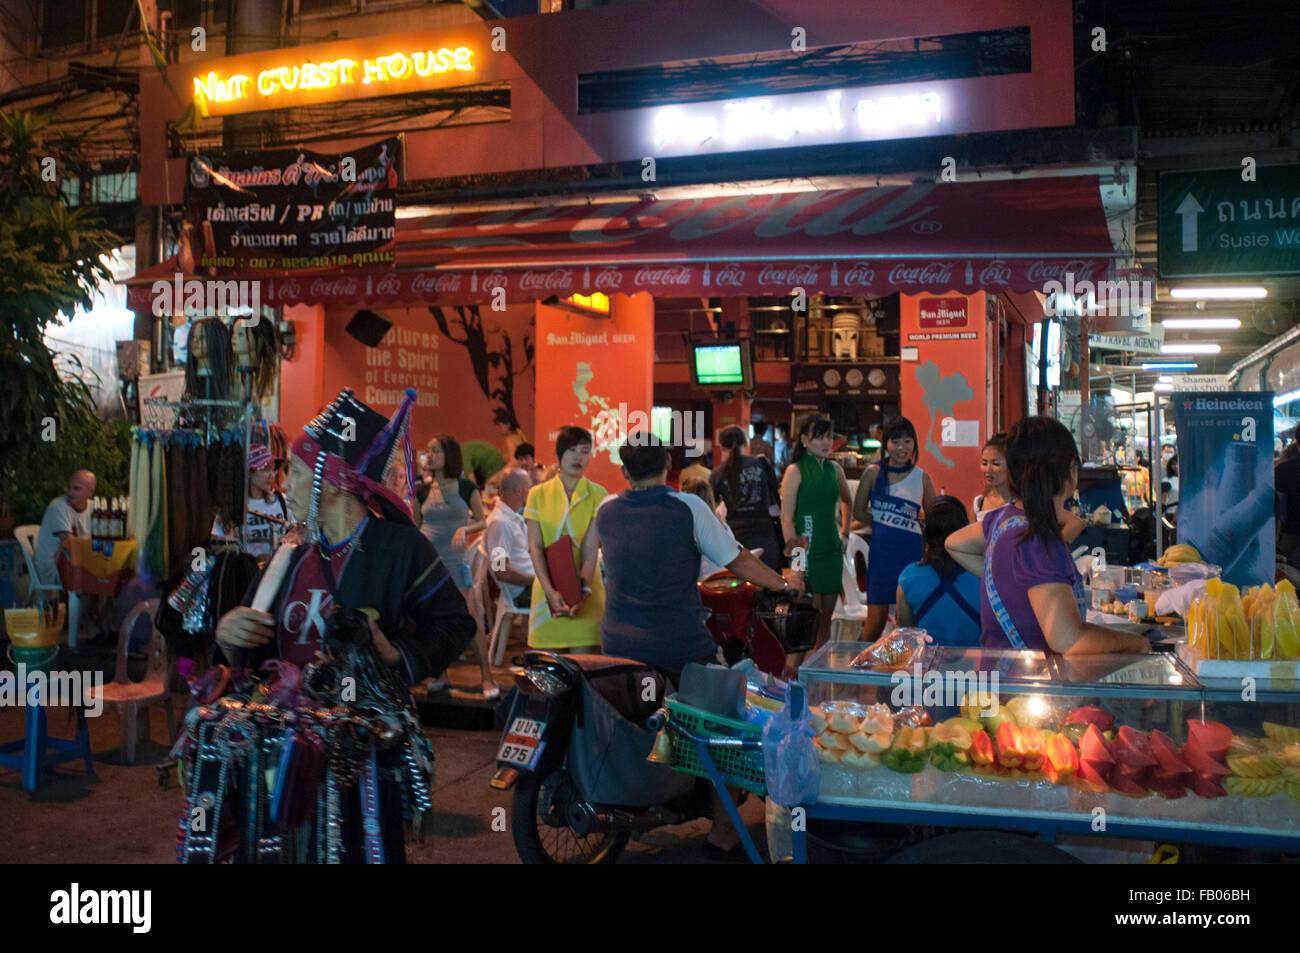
<point>932,273</point>
<point>1042,271</point>
<point>790,275</point>
<point>730,275</point>
<point>388,286</point>
<point>495,279</point>
<point>995,272</point>
<point>861,273</point>
<point>608,279</point>
<point>290,290</point>
<point>557,279</point>
<point>674,275</point>
<point>322,288</point>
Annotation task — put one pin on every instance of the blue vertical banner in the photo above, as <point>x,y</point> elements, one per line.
<point>1225,468</point>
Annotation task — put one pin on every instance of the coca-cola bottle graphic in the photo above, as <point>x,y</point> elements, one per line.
<point>835,273</point>
<point>473,282</point>
<point>706,274</point>
<point>970,274</point>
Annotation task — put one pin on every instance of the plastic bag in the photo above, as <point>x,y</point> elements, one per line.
<point>793,773</point>
<point>893,652</point>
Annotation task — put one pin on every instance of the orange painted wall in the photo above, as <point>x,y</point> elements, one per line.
<point>300,379</point>
<point>588,369</point>
<point>957,366</point>
<point>415,353</point>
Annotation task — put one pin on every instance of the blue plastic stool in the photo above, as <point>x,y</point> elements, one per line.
<point>38,751</point>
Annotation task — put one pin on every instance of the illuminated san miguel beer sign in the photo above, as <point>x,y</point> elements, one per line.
<point>328,72</point>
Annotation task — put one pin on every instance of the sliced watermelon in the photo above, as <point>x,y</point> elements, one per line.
<point>1125,786</point>
<point>1207,787</point>
<point>1170,761</point>
<point>1130,773</point>
<point>1090,715</point>
<point>1132,748</point>
<point>1211,737</point>
<point>1091,777</point>
<point>1169,785</point>
<point>1202,763</point>
<point>1093,749</point>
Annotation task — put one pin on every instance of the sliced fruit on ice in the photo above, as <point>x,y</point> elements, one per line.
<point>833,740</point>
<point>1094,750</point>
<point>1211,737</point>
<point>842,723</point>
<point>1284,733</point>
<point>1090,715</point>
<point>1255,766</point>
<point>1203,786</point>
<point>1091,777</point>
<point>1007,741</point>
<point>1062,759</point>
<point>1031,748</point>
<point>1202,763</point>
<point>981,748</point>
<point>1132,747</point>
<point>1169,759</point>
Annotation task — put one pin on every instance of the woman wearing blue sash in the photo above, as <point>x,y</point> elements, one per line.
<point>1032,596</point>
<point>894,492</point>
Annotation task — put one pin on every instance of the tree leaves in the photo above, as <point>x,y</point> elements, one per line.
<point>51,261</point>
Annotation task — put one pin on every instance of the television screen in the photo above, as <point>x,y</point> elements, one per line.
<point>719,364</point>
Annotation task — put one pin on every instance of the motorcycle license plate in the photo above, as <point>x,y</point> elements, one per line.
<point>522,746</point>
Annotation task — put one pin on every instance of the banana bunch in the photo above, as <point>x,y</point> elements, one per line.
<point>1178,554</point>
<point>1262,624</point>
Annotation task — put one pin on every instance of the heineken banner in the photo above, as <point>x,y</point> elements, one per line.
<point>291,209</point>
<point>1225,467</point>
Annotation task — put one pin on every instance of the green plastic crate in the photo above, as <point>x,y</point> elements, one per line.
<point>739,768</point>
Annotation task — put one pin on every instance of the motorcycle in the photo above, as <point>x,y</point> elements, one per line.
<point>580,747</point>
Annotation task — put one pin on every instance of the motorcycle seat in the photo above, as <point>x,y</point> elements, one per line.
<point>621,682</point>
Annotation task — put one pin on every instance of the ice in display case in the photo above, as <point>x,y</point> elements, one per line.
<point>1144,693</point>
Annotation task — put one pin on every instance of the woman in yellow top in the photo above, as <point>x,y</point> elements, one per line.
<point>566,504</point>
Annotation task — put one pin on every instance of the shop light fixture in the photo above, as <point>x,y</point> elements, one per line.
<point>1207,293</point>
<point>1170,366</point>
<point>1201,324</point>
<point>1287,398</point>
<point>1189,349</point>
<point>1163,388</point>
<point>1164,379</point>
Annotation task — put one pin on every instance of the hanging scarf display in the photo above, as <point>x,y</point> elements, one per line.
<point>178,478</point>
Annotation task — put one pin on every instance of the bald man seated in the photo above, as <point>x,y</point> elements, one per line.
<point>68,515</point>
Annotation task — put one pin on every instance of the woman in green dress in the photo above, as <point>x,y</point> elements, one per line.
<point>813,524</point>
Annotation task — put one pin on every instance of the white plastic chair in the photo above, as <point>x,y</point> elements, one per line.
<point>506,609</point>
<point>132,698</point>
<point>26,536</point>
<point>851,606</point>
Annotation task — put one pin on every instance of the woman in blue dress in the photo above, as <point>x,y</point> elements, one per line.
<point>936,594</point>
<point>892,495</point>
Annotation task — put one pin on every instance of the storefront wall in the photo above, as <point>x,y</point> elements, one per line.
<point>464,377</point>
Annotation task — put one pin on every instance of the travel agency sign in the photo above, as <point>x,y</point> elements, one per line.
<point>1230,222</point>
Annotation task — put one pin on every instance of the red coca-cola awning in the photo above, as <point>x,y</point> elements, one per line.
<point>930,237</point>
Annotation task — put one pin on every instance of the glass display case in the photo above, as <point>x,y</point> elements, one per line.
<point>1246,794</point>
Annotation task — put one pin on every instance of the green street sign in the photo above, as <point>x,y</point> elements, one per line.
<point>1214,225</point>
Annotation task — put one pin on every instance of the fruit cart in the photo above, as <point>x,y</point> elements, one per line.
<point>1127,746</point>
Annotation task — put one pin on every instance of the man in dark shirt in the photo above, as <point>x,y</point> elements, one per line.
<point>652,538</point>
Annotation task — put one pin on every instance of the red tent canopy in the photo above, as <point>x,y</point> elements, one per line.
<point>1007,235</point>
